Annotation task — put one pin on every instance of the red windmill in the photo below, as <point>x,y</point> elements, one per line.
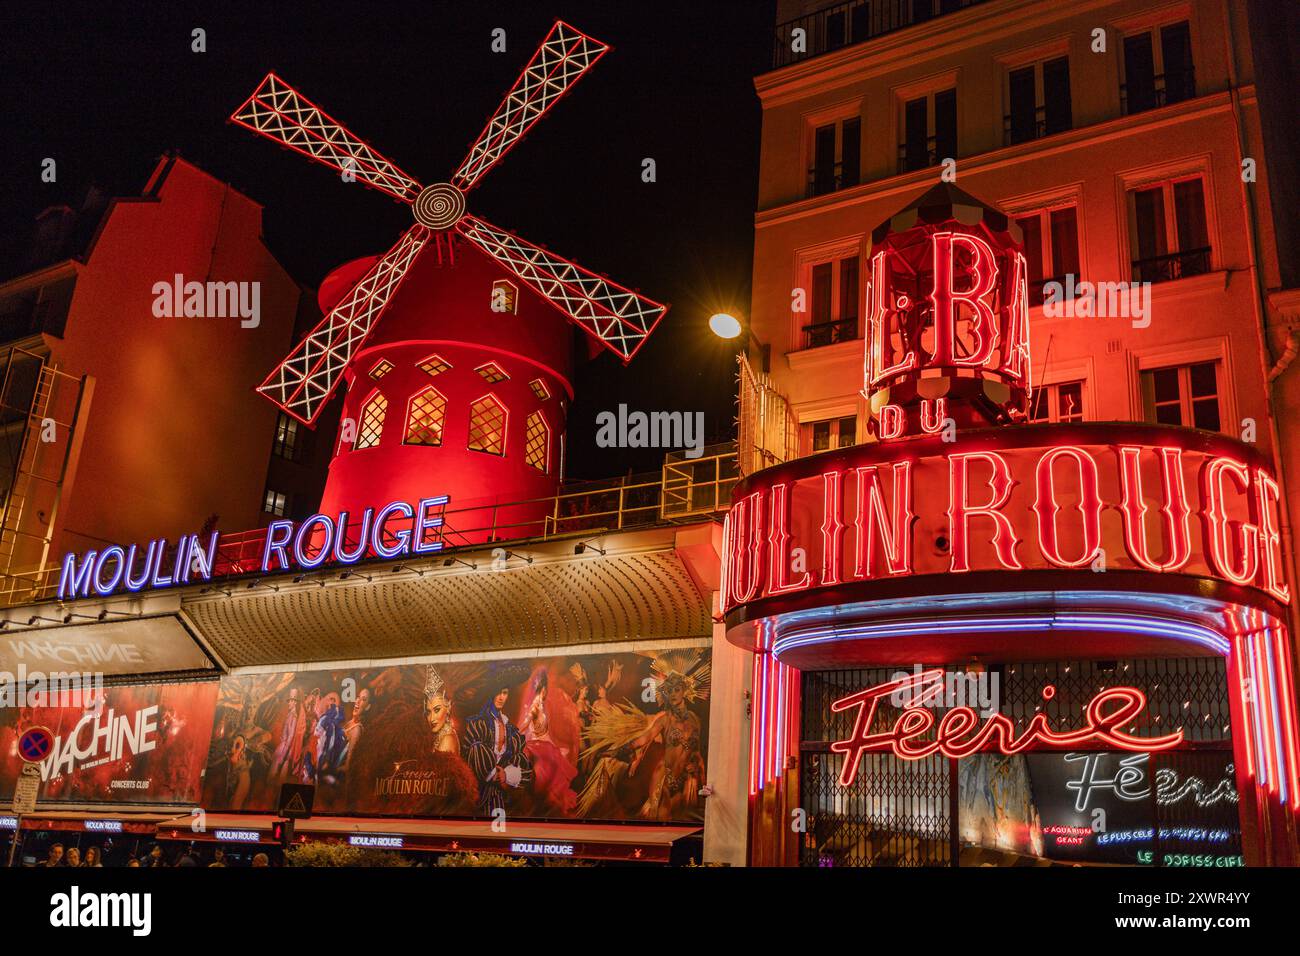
<point>478,371</point>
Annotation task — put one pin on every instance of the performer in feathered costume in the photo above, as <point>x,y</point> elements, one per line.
<point>551,731</point>
<point>619,739</point>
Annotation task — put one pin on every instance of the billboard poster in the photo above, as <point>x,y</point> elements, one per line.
<point>614,736</point>
<point>142,743</point>
<point>996,804</point>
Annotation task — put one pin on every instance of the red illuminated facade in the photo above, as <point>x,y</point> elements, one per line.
<point>974,577</point>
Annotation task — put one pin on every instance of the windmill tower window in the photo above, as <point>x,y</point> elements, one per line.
<point>434,365</point>
<point>372,422</point>
<point>537,442</point>
<point>425,418</point>
<point>505,297</point>
<point>492,373</point>
<point>382,368</point>
<point>539,389</point>
<point>487,426</point>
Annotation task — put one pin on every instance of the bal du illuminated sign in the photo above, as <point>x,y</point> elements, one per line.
<point>946,357</point>
<point>394,531</point>
<point>917,733</point>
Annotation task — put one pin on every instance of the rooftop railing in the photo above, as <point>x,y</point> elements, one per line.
<point>844,24</point>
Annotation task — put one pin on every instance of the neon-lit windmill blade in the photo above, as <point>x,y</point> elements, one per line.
<point>615,316</point>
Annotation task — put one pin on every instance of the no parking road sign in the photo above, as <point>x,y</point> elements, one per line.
<point>35,744</point>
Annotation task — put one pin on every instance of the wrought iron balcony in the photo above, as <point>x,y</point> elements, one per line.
<point>1175,265</point>
<point>844,24</point>
<point>824,179</point>
<point>1165,88</point>
<point>830,333</point>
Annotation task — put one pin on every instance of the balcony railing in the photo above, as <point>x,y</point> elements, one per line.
<point>829,179</point>
<point>830,333</point>
<point>1175,265</point>
<point>844,24</point>
<point>1166,88</point>
<point>915,154</point>
<point>687,488</point>
<point>1038,289</point>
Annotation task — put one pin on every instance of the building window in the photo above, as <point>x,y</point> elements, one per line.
<point>837,157</point>
<point>1168,235</point>
<point>537,442</point>
<point>831,433</point>
<point>492,373</point>
<point>1182,395</point>
<point>1039,101</point>
<point>832,303</point>
<point>286,438</point>
<point>539,389</point>
<point>424,420</point>
<point>275,503</point>
<point>434,365</point>
<point>1062,402</point>
<point>929,133</point>
<point>487,426</point>
<point>382,368</point>
<point>372,422</point>
<point>1051,246</point>
<point>505,297</point>
<point>1157,73</point>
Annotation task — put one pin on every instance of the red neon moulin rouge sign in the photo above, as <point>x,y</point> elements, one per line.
<point>1009,499</point>
<point>959,732</point>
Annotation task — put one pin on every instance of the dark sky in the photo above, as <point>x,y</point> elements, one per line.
<point>105,91</point>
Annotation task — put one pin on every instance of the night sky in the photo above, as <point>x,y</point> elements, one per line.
<point>105,92</point>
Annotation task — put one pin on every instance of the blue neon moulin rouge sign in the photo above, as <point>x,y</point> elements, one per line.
<point>289,545</point>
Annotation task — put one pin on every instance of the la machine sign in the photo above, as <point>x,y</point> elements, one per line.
<point>1009,498</point>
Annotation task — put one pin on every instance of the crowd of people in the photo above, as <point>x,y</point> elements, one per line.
<point>93,857</point>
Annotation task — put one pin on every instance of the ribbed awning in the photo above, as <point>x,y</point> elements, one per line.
<point>640,589</point>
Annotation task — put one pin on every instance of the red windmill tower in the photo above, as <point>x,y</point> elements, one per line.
<point>461,389</point>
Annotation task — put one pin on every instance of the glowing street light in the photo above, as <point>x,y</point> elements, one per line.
<point>725,325</point>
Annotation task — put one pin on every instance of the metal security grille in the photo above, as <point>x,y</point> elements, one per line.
<point>1191,693</point>
<point>896,813</point>
<point>903,813</point>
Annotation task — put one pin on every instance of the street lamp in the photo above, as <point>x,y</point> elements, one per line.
<point>727,326</point>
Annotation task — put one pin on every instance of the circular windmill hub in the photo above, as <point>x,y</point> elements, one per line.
<point>439,206</point>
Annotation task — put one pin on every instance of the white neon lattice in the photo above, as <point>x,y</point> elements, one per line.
<point>303,382</point>
<point>561,60</point>
<point>279,112</point>
<point>618,317</point>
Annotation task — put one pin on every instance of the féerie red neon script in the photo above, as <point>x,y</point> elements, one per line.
<point>915,721</point>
